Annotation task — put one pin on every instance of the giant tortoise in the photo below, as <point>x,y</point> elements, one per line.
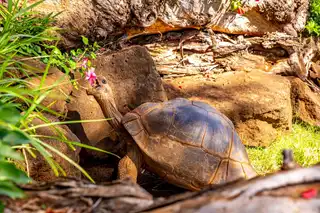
<point>187,143</point>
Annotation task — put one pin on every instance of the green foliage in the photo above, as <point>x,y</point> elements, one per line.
<point>235,4</point>
<point>21,27</point>
<point>9,174</point>
<point>30,34</point>
<point>71,61</point>
<point>303,140</point>
<point>26,33</point>
<point>313,24</point>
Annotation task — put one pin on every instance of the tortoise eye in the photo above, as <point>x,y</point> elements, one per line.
<point>104,81</point>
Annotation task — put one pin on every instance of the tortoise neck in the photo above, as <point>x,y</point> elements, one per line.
<point>110,110</point>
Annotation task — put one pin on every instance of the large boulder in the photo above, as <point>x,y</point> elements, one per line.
<point>58,86</point>
<point>134,79</point>
<point>306,104</point>
<point>99,19</point>
<point>259,104</point>
<point>38,168</point>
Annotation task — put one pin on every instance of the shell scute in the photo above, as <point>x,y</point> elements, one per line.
<point>218,137</point>
<point>158,121</point>
<point>189,125</point>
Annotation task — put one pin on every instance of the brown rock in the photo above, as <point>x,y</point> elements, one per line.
<point>315,70</point>
<point>100,173</point>
<point>61,89</point>
<point>258,103</point>
<point>27,67</point>
<point>133,75</point>
<point>134,80</point>
<point>306,104</point>
<point>39,169</point>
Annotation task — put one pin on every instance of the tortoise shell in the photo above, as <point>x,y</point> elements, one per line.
<point>188,143</point>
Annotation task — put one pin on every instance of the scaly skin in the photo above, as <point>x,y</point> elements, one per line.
<point>130,164</point>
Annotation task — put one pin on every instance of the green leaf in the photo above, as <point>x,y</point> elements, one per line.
<point>93,55</point>
<point>96,45</point>
<point>7,152</point>
<point>79,51</point>
<point>73,52</point>
<point>9,189</point>
<point>13,137</point>
<point>57,52</point>
<point>9,172</point>
<point>85,40</point>
<point>73,64</point>
<point>9,114</point>
<point>1,207</point>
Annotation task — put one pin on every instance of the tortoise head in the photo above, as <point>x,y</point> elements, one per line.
<point>101,89</point>
<point>103,94</point>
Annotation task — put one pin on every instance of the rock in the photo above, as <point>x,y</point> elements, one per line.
<point>306,104</point>
<point>39,169</point>
<point>56,99</point>
<point>259,104</point>
<point>27,67</point>
<point>291,14</point>
<point>134,80</point>
<point>100,173</point>
<point>135,70</point>
<point>315,72</point>
<point>100,19</point>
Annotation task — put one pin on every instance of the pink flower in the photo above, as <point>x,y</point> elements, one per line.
<point>91,76</point>
<point>84,63</point>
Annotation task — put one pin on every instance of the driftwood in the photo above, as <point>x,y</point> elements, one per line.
<point>283,192</point>
<point>79,197</point>
<point>293,189</point>
<point>194,52</point>
<point>101,19</point>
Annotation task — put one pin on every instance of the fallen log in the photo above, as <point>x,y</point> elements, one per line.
<point>294,189</point>
<point>79,197</point>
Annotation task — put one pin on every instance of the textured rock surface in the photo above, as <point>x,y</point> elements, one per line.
<point>99,19</point>
<point>306,104</point>
<point>133,75</point>
<point>38,167</point>
<point>134,80</point>
<point>259,104</point>
<point>56,99</point>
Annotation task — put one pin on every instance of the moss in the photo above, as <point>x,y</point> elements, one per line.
<point>303,140</point>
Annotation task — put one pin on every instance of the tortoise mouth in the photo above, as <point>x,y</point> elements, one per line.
<point>96,84</point>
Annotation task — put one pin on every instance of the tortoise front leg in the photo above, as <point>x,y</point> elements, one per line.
<point>129,165</point>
